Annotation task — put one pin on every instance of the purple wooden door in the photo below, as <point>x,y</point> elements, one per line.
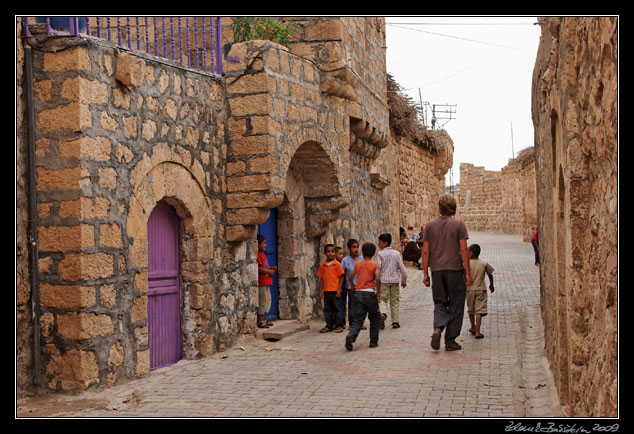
<point>163,286</point>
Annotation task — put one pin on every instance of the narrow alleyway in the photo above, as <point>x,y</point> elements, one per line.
<point>309,374</point>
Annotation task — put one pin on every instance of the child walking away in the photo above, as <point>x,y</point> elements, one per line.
<point>477,293</point>
<point>390,263</point>
<point>265,279</point>
<point>365,293</point>
<point>330,275</point>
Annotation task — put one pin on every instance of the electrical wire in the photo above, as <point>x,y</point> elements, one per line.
<point>455,73</point>
<point>463,24</point>
<point>458,37</point>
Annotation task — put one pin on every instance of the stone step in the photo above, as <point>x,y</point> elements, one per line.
<point>281,329</point>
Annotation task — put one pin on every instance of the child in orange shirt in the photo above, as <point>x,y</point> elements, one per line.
<point>330,275</point>
<point>365,297</point>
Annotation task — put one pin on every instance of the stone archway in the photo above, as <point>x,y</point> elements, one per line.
<point>178,187</point>
<point>312,200</point>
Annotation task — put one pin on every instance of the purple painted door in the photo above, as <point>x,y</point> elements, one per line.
<point>163,286</point>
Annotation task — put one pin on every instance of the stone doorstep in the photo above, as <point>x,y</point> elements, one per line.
<point>281,329</point>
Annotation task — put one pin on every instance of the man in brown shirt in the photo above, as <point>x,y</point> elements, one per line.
<point>445,252</point>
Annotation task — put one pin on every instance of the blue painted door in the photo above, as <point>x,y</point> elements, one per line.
<point>269,230</point>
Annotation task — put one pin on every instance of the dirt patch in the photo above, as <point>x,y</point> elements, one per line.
<point>56,406</point>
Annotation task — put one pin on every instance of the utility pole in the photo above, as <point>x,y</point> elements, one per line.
<point>422,111</point>
<point>512,144</point>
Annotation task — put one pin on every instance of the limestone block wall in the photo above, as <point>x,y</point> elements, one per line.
<point>511,209</point>
<point>286,150</point>
<point>309,136</point>
<point>480,198</point>
<point>115,134</point>
<point>421,182</point>
<point>574,107</point>
<point>529,199</point>
<point>519,200</point>
<point>500,201</point>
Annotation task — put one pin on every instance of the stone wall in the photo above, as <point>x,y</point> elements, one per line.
<point>519,199</point>
<point>309,136</point>
<point>116,133</point>
<point>421,179</point>
<point>499,201</point>
<point>24,313</point>
<point>574,106</point>
<point>480,198</point>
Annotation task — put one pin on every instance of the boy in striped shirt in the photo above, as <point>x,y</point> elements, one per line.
<point>390,263</point>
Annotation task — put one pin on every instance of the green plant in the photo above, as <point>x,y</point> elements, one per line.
<point>242,28</point>
<point>267,28</point>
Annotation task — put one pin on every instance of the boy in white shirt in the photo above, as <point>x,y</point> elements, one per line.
<point>477,293</point>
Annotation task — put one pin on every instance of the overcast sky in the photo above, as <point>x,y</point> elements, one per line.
<point>483,67</point>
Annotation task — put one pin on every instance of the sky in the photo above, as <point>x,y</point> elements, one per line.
<point>478,67</point>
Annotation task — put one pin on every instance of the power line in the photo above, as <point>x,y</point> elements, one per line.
<point>458,37</point>
<point>453,74</point>
<point>463,24</point>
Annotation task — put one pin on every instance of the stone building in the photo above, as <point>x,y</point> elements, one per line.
<point>519,195</point>
<point>499,201</point>
<point>574,108</point>
<point>151,181</point>
<point>479,198</point>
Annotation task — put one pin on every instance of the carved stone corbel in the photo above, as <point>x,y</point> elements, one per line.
<point>365,139</point>
<point>378,181</point>
<point>320,211</point>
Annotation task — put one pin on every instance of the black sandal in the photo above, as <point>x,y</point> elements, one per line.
<point>262,325</point>
<point>396,325</point>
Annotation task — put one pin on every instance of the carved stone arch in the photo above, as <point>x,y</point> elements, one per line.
<point>178,186</point>
<point>312,199</point>
<point>318,179</point>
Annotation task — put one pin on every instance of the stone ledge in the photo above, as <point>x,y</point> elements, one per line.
<point>281,329</point>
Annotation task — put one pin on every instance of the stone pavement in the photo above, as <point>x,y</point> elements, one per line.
<point>309,374</point>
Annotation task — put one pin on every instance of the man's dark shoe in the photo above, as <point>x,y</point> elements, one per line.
<point>373,345</point>
<point>348,343</point>
<point>383,317</point>
<point>453,346</point>
<point>435,339</point>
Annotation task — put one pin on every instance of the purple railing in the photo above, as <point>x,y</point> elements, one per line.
<point>193,41</point>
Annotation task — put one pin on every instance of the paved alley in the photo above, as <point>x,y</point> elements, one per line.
<point>309,374</point>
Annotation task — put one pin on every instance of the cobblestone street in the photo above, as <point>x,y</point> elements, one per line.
<point>309,374</point>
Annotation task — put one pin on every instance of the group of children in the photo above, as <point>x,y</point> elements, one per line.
<point>367,287</point>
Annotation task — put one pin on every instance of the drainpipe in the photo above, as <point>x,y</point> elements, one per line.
<point>33,221</point>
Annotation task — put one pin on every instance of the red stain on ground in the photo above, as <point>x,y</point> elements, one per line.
<point>389,360</point>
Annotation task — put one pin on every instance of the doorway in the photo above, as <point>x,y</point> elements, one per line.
<point>268,229</point>
<point>164,331</point>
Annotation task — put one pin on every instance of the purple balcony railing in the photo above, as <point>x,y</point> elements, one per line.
<point>195,42</point>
